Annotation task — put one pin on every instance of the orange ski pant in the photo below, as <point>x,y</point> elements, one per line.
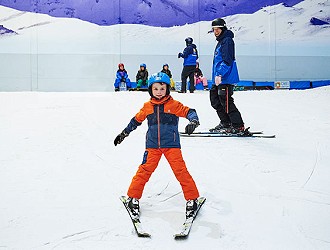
<point>150,162</point>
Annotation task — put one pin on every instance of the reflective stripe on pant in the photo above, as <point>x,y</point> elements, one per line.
<point>150,163</point>
<point>222,101</point>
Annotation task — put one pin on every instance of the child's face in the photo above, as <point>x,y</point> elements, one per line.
<point>158,90</point>
<point>121,67</point>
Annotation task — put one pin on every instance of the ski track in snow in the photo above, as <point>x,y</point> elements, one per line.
<point>314,166</point>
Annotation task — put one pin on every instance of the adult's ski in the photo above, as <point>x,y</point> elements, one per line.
<point>211,134</point>
<point>185,229</point>
<point>245,133</point>
<point>216,133</point>
<point>135,220</point>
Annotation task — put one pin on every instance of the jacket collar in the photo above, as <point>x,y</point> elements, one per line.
<point>226,33</point>
<point>155,101</point>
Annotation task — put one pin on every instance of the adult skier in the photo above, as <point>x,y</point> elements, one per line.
<point>224,76</point>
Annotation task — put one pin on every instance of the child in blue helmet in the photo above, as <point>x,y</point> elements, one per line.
<point>162,113</point>
<point>142,76</point>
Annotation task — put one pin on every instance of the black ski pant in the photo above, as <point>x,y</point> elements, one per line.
<point>188,71</point>
<point>223,102</point>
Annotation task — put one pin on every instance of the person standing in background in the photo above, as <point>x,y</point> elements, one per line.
<point>190,56</point>
<point>224,76</point>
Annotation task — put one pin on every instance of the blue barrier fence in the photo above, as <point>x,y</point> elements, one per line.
<point>251,85</point>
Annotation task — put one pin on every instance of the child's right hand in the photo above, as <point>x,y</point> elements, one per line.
<point>120,138</point>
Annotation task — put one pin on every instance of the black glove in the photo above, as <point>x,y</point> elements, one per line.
<point>191,127</point>
<point>180,55</point>
<point>120,138</point>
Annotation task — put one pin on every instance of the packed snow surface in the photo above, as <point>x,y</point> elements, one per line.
<point>61,176</point>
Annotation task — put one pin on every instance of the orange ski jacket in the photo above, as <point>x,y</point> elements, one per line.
<point>163,118</point>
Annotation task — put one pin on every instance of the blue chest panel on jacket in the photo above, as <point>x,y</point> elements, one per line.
<point>163,129</point>
<point>164,118</point>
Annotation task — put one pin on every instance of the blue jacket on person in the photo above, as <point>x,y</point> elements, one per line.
<point>122,76</point>
<point>224,62</point>
<point>189,55</point>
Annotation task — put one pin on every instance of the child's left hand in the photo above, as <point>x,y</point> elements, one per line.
<point>191,127</point>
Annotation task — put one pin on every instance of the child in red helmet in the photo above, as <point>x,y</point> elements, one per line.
<point>162,113</point>
<point>122,77</point>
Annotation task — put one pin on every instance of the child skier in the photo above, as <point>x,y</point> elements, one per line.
<point>168,72</point>
<point>142,76</point>
<point>199,78</point>
<point>162,113</point>
<point>122,76</point>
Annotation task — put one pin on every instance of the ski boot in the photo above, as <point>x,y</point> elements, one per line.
<point>221,128</point>
<point>133,205</point>
<point>191,207</point>
<point>241,131</point>
<point>236,130</point>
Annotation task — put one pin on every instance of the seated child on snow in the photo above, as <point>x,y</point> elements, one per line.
<point>168,72</point>
<point>163,138</point>
<point>142,76</point>
<point>122,77</point>
<point>199,78</point>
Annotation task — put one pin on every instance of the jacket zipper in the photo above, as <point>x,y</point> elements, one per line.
<point>158,125</point>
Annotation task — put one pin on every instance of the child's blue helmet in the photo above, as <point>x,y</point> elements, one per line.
<point>161,78</point>
<point>143,65</point>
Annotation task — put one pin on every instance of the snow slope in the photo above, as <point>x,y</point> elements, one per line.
<point>61,176</point>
